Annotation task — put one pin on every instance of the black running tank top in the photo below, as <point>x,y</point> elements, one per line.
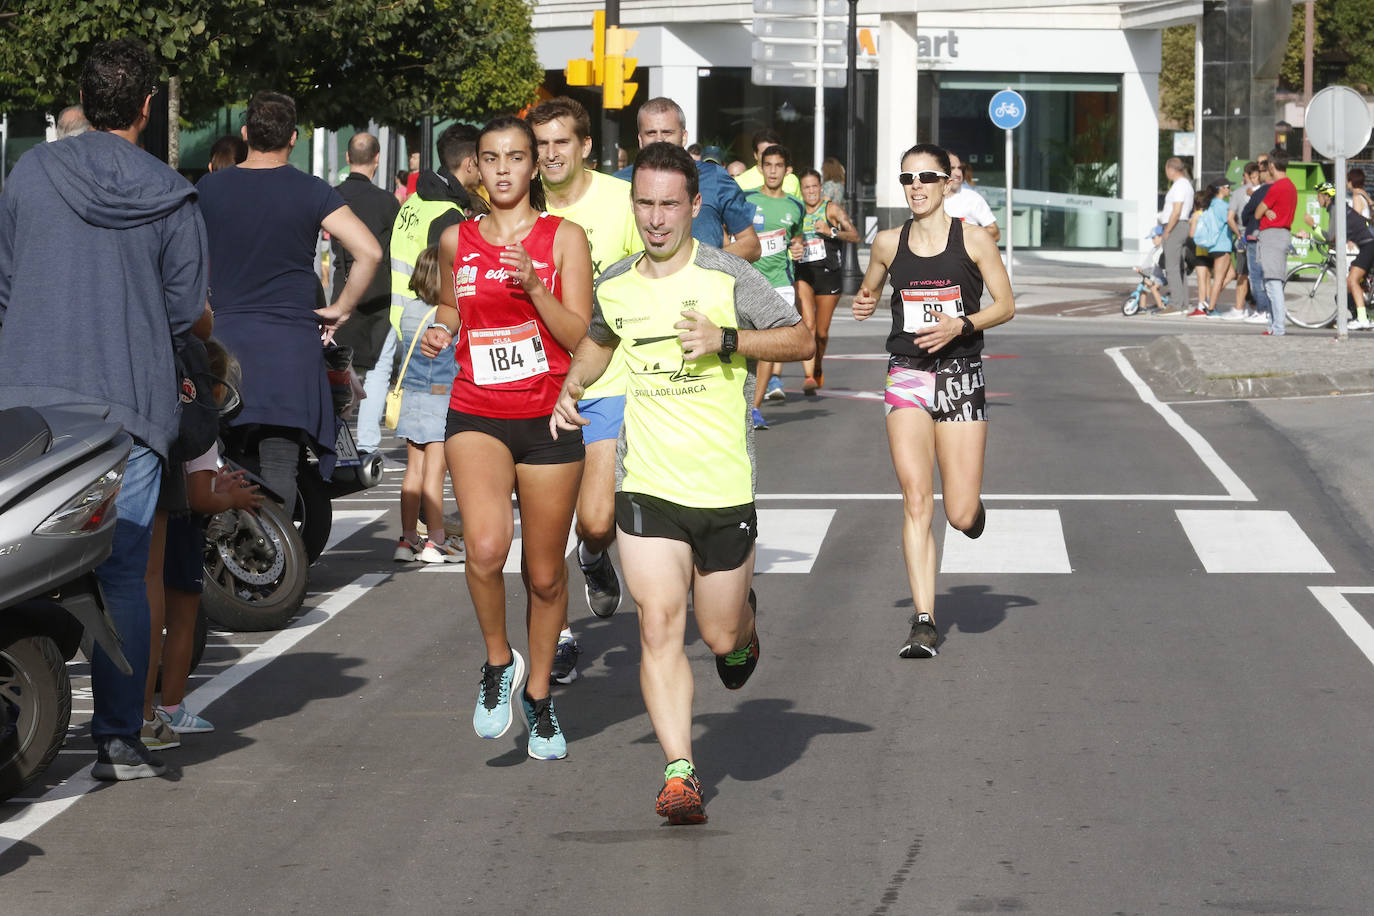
<point>949,281</point>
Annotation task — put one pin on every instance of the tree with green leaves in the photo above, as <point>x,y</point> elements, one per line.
<point>1176,76</point>
<point>345,61</point>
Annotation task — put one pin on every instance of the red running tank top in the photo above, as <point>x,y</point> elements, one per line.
<point>509,364</point>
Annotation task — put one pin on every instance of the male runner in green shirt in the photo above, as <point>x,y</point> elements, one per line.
<point>690,321</point>
<point>778,219</point>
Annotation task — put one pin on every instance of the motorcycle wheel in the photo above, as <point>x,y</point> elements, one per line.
<point>37,697</point>
<point>314,516</point>
<point>255,569</point>
<point>198,641</point>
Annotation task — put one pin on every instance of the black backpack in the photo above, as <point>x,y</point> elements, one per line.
<point>196,391</point>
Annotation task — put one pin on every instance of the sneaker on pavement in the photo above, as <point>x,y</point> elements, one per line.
<point>406,551</point>
<point>492,717</point>
<point>735,667</point>
<point>1257,318</point>
<point>157,735</point>
<point>921,641</point>
<point>119,758</point>
<point>546,736</point>
<point>757,416</point>
<point>565,662</point>
<point>1233,315</point>
<point>1268,332</point>
<point>451,551</point>
<point>183,721</point>
<point>453,526</point>
<point>774,390</point>
<point>1198,313</point>
<point>680,798</point>
<point>809,387</point>
<point>602,586</point>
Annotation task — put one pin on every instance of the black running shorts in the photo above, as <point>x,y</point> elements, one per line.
<point>823,282</point>
<point>720,539</point>
<point>528,439</point>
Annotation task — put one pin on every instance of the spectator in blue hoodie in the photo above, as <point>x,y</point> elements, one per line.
<point>102,264</point>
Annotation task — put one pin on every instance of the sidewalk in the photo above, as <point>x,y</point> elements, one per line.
<point>1247,365</point>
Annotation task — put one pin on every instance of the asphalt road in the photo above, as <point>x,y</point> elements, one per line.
<point>1154,695</point>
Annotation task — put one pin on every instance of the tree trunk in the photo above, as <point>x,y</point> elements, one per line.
<point>174,122</point>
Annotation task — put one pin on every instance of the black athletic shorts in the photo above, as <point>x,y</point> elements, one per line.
<point>950,390</point>
<point>528,439</point>
<point>823,282</point>
<point>720,539</point>
<point>1365,259</point>
<point>183,559</point>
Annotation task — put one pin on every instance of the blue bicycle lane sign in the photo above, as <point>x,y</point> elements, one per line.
<point>1007,109</point>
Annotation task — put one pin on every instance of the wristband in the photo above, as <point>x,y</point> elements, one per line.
<point>967,328</point>
<point>444,328</point>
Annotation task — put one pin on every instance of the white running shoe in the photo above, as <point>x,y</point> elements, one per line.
<point>406,551</point>
<point>1233,315</point>
<point>451,551</point>
<point>1257,318</point>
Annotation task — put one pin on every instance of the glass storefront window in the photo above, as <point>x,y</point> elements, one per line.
<point>1067,154</point>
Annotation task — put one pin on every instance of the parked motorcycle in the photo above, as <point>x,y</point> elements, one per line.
<point>256,564</point>
<point>60,471</point>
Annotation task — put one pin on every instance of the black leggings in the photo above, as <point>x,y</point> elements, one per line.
<point>279,456</point>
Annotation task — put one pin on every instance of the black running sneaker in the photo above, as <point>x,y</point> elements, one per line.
<point>921,642</point>
<point>603,586</point>
<point>565,662</point>
<point>680,798</point>
<point>981,519</point>
<point>119,758</point>
<point>735,667</point>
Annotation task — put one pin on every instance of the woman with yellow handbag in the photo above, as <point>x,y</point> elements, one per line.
<point>417,408</point>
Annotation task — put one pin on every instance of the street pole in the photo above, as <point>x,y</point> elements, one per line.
<point>610,128</point>
<point>1307,76</point>
<point>852,277</point>
<point>1009,227</point>
<point>427,143</point>
<point>1342,265</point>
<point>819,144</point>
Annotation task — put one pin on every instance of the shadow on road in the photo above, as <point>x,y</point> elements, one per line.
<point>972,608</point>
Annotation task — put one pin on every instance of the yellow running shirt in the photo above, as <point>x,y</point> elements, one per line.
<point>688,436</point>
<point>605,214</point>
<point>751,179</point>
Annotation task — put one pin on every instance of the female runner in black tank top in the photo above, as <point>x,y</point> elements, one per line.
<point>935,399</point>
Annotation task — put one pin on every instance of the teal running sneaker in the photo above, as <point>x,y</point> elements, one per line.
<point>735,667</point>
<point>546,736</point>
<point>492,717</point>
<point>183,721</point>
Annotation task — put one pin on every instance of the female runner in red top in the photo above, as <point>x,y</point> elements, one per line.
<point>516,298</point>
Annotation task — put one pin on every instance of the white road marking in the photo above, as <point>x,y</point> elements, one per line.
<point>62,796</point>
<point>1014,541</point>
<point>1251,541</point>
<point>1286,397</point>
<point>790,539</point>
<point>1230,480</point>
<point>1332,597</point>
<point>1012,497</point>
<point>348,523</point>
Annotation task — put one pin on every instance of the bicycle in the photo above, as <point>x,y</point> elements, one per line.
<point>1310,291</point>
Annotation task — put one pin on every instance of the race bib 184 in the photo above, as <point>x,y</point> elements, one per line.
<point>506,354</point>
<point>918,304</point>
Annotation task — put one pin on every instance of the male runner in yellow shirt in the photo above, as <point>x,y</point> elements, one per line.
<point>600,204</point>
<point>690,322</point>
<point>751,179</point>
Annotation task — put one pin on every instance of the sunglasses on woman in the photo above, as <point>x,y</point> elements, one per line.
<point>924,177</point>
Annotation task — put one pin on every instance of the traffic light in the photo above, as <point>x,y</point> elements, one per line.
<point>619,91</point>
<point>583,72</point>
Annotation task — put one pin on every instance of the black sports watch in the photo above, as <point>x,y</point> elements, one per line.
<point>729,342</point>
<point>968,326</point>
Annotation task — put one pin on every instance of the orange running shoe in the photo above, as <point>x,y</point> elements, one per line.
<point>680,798</point>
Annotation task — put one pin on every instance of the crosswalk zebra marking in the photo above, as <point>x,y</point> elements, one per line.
<point>1250,541</point>
<point>790,539</point>
<point>1014,541</point>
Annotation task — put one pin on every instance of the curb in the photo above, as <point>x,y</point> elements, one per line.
<point>1171,358</point>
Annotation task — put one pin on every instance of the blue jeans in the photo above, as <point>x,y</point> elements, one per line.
<point>1278,313</point>
<point>119,696</point>
<point>375,384</point>
<point>1252,263</point>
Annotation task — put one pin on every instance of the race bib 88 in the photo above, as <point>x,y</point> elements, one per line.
<point>917,305</point>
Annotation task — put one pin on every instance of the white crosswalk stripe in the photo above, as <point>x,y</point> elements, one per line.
<point>1014,541</point>
<point>1251,541</point>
